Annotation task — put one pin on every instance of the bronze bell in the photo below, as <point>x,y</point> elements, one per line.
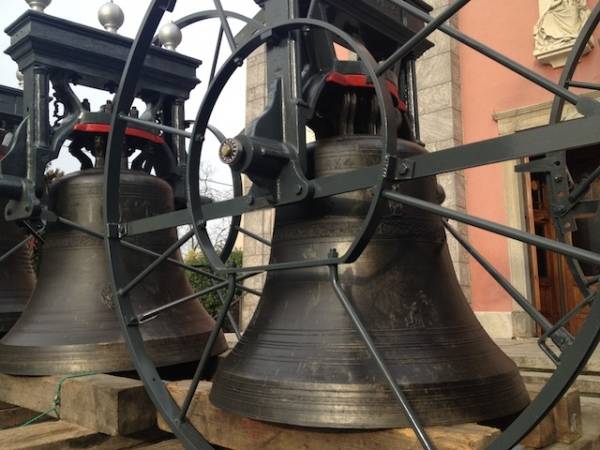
<point>17,277</point>
<point>70,325</point>
<point>302,362</point>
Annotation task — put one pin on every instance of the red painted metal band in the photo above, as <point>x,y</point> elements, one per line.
<point>105,128</point>
<point>361,81</point>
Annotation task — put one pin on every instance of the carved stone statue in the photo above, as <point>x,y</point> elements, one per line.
<point>558,26</point>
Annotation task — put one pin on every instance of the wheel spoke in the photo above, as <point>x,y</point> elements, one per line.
<point>213,68</point>
<point>538,241</point>
<point>559,329</point>
<point>153,313</point>
<point>35,233</point>
<point>208,348</point>
<point>312,8</point>
<point>16,248</point>
<point>225,26</point>
<point>157,262</point>
<point>584,85</point>
<point>155,126</point>
<point>347,304</point>
<point>254,236</point>
<point>567,317</point>
<point>419,37</point>
<point>581,189</point>
<point>561,339</point>
<point>145,251</point>
<point>493,54</point>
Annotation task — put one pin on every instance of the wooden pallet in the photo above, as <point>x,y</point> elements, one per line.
<point>239,433</point>
<point>113,413</point>
<point>101,412</point>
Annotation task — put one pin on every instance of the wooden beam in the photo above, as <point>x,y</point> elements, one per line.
<point>14,416</point>
<point>103,403</point>
<point>43,436</point>
<point>239,433</point>
<point>172,444</point>
<point>63,435</point>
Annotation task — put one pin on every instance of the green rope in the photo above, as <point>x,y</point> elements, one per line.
<point>56,402</point>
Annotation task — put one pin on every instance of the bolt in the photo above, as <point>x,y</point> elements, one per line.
<point>299,189</point>
<point>558,179</point>
<point>226,150</point>
<point>403,168</point>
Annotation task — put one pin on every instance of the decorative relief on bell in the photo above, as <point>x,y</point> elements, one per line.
<point>170,36</point>
<point>38,5</point>
<point>111,17</point>
<point>557,29</point>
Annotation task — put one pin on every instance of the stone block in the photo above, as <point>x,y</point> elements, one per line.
<point>543,435</point>
<point>434,70</point>
<point>568,417</point>
<point>439,126</point>
<point>496,324</point>
<point>435,98</point>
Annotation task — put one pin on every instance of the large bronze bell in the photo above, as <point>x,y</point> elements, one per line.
<point>70,325</point>
<point>17,277</point>
<point>302,362</point>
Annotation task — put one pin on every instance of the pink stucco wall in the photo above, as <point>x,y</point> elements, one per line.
<point>486,88</point>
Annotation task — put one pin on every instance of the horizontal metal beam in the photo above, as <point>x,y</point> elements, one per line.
<point>571,135</point>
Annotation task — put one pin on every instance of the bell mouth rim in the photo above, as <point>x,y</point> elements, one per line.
<point>107,357</point>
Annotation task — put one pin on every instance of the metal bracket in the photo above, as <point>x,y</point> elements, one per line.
<point>115,230</point>
<point>24,206</point>
<point>554,166</point>
<point>396,169</point>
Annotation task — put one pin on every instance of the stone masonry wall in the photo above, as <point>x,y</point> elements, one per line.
<point>440,117</point>
<point>438,79</point>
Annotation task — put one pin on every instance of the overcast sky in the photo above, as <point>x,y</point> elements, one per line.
<point>198,41</point>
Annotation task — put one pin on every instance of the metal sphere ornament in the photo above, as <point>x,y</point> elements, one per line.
<point>170,36</point>
<point>111,17</point>
<point>20,78</point>
<point>38,5</point>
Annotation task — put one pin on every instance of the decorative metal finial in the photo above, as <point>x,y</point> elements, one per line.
<point>38,5</point>
<point>170,36</point>
<point>20,78</point>
<point>111,16</point>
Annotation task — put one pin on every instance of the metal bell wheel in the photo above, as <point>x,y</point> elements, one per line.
<point>353,211</point>
<point>272,152</point>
